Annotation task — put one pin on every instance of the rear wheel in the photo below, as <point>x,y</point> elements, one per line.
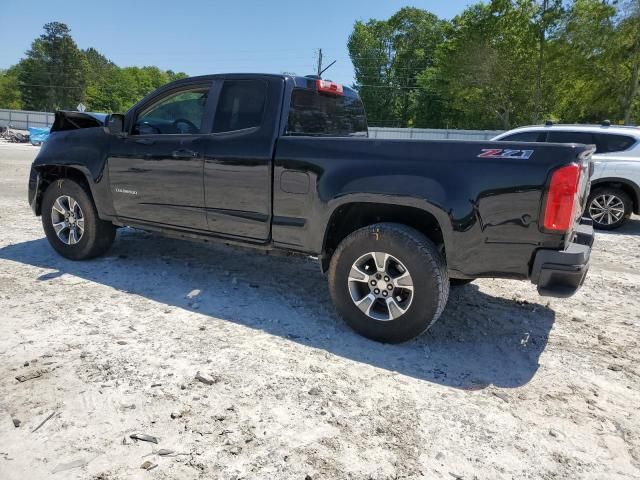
<point>71,223</point>
<point>609,207</point>
<point>389,282</point>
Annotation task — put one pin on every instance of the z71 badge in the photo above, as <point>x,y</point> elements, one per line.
<point>505,153</point>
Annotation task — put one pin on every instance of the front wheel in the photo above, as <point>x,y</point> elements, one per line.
<point>609,208</point>
<point>389,282</point>
<point>71,223</point>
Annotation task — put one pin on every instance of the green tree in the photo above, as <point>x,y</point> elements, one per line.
<point>100,93</point>
<point>629,34</point>
<point>585,64</point>
<point>387,56</point>
<point>547,17</point>
<point>53,74</point>
<point>484,73</point>
<point>10,96</point>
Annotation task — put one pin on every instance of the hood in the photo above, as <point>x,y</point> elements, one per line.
<point>71,120</point>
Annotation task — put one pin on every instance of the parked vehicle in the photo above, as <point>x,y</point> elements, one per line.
<point>284,162</point>
<point>615,184</point>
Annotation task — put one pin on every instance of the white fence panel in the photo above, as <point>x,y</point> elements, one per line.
<point>22,119</point>
<point>431,133</point>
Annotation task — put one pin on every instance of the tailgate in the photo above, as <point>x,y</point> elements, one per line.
<point>584,187</point>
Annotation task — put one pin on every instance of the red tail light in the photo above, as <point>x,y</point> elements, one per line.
<point>329,87</point>
<point>562,201</point>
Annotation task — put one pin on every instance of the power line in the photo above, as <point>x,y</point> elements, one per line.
<point>320,69</point>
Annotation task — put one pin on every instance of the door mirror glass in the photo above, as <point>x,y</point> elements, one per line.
<point>115,124</point>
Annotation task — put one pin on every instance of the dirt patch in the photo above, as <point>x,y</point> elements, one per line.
<point>506,385</point>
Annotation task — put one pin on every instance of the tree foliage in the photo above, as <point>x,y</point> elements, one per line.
<point>387,56</point>
<point>56,74</point>
<point>53,74</point>
<point>501,64</point>
<point>9,92</point>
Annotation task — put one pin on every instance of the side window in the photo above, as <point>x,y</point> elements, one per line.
<point>558,136</point>
<point>524,137</point>
<point>608,143</point>
<point>179,113</point>
<point>241,105</point>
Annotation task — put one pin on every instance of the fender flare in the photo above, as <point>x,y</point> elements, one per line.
<point>441,216</point>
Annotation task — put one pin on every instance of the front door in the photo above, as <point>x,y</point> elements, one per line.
<point>156,171</point>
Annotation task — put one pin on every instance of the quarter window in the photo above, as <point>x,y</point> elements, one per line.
<point>608,143</point>
<point>558,136</point>
<point>179,113</point>
<point>524,137</point>
<point>241,105</point>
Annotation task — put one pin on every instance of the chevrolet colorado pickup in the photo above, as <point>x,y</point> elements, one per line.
<point>280,162</point>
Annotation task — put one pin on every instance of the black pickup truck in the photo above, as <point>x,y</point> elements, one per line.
<point>280,162</point>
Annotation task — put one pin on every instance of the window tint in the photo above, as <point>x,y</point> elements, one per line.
<point>524,137</point>
<point>314,113</point>
<point>241,105</point>
<point>608,143</point>
<point>557,136</point>
<point>181,112</point>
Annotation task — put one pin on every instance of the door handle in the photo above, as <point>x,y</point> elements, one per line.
<point>145,141</point>
<point>184,153</point>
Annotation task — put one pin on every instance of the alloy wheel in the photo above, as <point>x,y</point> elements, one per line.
<point>606,209</point>
<point>67,220</point>
<point>380,286</point>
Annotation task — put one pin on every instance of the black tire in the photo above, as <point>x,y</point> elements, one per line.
<point>98,235</point>
<point>425,265</point>
<point>622,197</point>
<point>459,282</point>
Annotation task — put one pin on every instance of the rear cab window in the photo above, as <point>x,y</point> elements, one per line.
<point>316,113</point>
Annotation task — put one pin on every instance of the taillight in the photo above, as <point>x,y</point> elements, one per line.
<point>562,202</point>
<point>329,87</point>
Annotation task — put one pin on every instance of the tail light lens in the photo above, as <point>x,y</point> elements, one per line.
<point>562,198</point>
<point>329,87</point>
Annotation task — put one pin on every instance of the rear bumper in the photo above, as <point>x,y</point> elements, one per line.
<point>561,273</point>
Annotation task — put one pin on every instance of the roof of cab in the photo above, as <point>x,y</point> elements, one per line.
<point>299,81</point>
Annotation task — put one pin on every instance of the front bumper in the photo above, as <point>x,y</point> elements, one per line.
<point>34,191</point>
<point>561,273</point>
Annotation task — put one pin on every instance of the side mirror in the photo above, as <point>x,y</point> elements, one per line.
<point>115,124</point>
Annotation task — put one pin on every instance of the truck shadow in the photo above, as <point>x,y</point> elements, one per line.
<point>479,341</point>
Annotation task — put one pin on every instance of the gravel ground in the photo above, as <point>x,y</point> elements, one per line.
<point>508,385</point>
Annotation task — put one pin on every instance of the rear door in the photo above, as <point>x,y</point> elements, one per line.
<point>238,158</point>
<point>156,171</point>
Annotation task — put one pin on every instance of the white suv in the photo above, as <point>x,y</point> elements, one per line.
<point>615,184</point>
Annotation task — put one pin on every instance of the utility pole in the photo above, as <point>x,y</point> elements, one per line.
<point>320,69</point>
<point>320,62</point>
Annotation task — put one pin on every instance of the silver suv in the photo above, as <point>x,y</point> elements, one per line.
<point>615,184</point>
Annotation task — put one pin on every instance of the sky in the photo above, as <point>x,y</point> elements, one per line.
<point>202,37</point>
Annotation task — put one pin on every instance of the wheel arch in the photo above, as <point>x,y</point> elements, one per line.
<point>624,184</point>
<point>351,216</point>
<point>49,173</point>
